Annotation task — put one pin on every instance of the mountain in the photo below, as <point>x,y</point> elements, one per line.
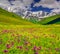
<point>23,8</point>
<point>11,18</point>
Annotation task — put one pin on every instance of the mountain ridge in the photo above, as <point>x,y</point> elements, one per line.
<point>50,20</point>
<point>11,18</point>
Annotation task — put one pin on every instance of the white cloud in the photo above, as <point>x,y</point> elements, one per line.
<point>22,3</point>
<point>17,3</point>
<point>56,10</point>
<point>28,2</point>
<point>48,4</point>
<point>4,3</point>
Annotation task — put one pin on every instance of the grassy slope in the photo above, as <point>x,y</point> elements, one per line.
<point>11,18</point>
<point>46,37</point>
<point>50,19</point>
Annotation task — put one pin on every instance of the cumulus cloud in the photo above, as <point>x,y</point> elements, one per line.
<point>48,4</point>
<point>26,4</point>
<point>4,3</point>
<point>17,3</point>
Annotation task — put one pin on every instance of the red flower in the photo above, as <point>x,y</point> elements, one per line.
<point>8,46</point>
<point>36,53</point>
<point>26,43</point>
<point>35,48</point>
<point>19,47</point>
<point>5,31</point>
<point>5,51</point>
<point>39,48</point>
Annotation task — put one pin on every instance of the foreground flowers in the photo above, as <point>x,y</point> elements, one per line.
<point>5,51</point>
<point>30,41</point>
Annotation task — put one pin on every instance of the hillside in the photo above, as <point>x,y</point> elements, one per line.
<point>20,39</point>
<point>11,18</point>
<point>51,20</point>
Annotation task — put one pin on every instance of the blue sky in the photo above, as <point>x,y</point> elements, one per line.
<point>36,0</point>
<point>57,0</point>
<point>39,7</point>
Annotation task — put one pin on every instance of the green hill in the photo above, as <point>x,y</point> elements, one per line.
<point>51,20</point>
<point>11,18</point>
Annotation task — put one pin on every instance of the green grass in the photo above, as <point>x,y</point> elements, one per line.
<point>51,20</point>
<point>36,39</point>
<point>18,36</point>
<point>11,18</point>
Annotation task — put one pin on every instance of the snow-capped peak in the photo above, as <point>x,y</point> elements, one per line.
<point>22,7</point>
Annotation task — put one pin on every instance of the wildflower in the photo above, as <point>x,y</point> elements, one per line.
<point>57,49</point>
<point>36,53</point>
<point>5,51</point>
<point>12,43</point>
<point>39,48</point>
<point>5,31</point>
<point>34,48</point>
<point>20,47</point>
<point>27,43</point>
<point>8,46</point>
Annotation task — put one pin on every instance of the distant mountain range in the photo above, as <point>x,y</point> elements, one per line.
<point>9,18</point>
<point>21,8</point>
